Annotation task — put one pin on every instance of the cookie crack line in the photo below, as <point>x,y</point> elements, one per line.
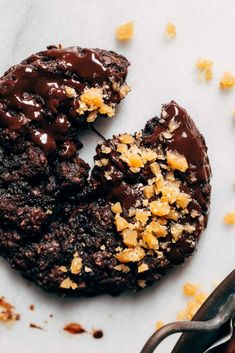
<point>143,207</point>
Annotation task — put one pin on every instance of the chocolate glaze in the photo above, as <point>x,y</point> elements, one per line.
<point>186,140</point>
<point>124,193</point>
<point>33,98</point>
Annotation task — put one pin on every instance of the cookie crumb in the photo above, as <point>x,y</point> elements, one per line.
<point>98,334</point>
<point>170,31</point>
<point>31,307</point>
<point>31,325</point>
<point>198,298</point>
<point>125,31</point>
<point>7,312</point>
<point>190,289</point>
<point>204,66</point>
<point>74,328</point>
<point>229,218</point>
<point>227,81</point>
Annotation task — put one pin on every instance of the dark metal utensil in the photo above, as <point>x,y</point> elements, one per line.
<point>217,311</point>
<point>223,339</point>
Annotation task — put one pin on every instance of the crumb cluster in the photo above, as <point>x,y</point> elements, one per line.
<point>197,299</point>
<point>7,312</point>
<point>197,296</point>
<point>95,100</point>
<point>204,66</point>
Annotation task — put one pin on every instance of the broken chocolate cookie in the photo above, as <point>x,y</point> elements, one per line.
<point>139,213</point>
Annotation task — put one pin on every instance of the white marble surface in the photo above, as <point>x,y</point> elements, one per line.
<point>161,70</point>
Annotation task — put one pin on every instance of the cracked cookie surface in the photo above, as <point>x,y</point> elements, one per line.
<point>139,213</point>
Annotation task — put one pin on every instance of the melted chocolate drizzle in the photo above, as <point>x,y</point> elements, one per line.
<point>33,98</point>
<point>186,140</point>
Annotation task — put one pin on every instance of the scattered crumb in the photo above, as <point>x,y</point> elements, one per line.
<point>98,334</point>
<point>159,324</point>
<point>229,218</point>
<point>170,30</point>
<point>227,81</point>
<point>197,299</point>
<point>204,66</point>
<point>190,289</point>
<point>74,328</point>
<point>31,307</point>
<point>35,326</point>
<point>125,31</point>
<point>7,312</point>
<point>51,315</point>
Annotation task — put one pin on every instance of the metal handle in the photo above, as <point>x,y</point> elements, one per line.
<point>224,315</point>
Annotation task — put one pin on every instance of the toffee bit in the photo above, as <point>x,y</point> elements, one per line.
<point>170,31</point>
<point>7,312</point>
<point>229,218</point>
<point>125,31</point>
<point>204,66</point>
<point>227,81</point>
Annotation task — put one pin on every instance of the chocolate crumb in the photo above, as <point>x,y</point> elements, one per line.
<point>74,328</point>
<point>35,326</point>
<point>31,307</point>
<point>98,334</point>
<point>51,315</point>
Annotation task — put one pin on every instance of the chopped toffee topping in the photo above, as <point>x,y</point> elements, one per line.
<point>204,66</point>
<point>160,210</point>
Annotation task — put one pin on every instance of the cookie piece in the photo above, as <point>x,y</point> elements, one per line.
<point>52,91</point>
<point>44,102</point>
<point>140,213</point>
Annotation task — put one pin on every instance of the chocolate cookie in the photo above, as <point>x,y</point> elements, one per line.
<point>44,102</point>
<point>139,213</point>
